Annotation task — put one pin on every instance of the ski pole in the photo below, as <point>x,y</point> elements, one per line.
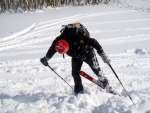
<point>121,83</point>
<point>58,74</point>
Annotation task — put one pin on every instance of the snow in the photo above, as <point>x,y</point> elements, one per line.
<point>26,86</point>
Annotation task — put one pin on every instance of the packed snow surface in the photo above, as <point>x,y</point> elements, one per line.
<point>26,86</point>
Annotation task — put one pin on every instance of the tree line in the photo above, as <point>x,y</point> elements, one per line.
<point>24,5</point>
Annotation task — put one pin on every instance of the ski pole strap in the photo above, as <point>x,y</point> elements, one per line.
<point>63,56</point>
<point>121,83</point>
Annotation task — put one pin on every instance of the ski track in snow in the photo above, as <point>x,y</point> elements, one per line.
<point>38,32</point>
<point>34,93</point>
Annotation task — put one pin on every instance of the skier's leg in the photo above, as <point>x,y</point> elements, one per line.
<point>94,64</point>
<point>102,80</point>
<point>76,66</point>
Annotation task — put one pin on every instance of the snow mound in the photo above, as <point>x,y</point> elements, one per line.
<point>139,51</point>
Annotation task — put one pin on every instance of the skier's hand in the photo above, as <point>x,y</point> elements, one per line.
<point>44,61</point>
<point>105,58</point>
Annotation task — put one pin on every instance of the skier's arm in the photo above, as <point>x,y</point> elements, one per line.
<point>94,43</point>
<point>50,52</point>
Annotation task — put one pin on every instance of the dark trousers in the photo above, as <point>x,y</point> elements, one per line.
<point>92,61</point>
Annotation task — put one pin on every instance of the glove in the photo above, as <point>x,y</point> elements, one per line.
<point>44,61</point>
<point>105,58</point>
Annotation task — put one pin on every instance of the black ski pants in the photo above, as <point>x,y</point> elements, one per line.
<point>92,61</point>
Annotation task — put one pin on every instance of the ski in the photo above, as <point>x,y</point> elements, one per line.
<point>85,75</point>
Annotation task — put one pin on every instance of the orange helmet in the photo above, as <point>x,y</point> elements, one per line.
<point>62,46</point>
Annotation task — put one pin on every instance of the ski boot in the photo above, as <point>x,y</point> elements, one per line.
<point>103,82</point>
<point>78,89</point>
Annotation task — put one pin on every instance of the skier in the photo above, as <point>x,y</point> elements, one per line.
<point>76,43</point>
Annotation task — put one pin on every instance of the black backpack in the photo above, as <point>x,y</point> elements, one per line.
<point>75,28</point>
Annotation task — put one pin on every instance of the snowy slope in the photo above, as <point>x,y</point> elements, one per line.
<point>26,86</point>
